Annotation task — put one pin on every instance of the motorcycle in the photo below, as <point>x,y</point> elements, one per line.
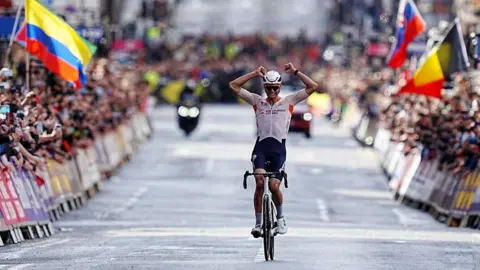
<point>188,112</point>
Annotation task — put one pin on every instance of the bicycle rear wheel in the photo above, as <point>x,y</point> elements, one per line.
<point>266,226</point>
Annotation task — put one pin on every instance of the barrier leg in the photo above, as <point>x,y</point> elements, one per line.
<point>71,204</point>
<point>19,235</point>
<point>50,228</point>
<point>27,232</point>
<point>45,230</point>
<point>464,222</point>
<point>8,237</point>
<point>83,200</point>
<point>64,207</point>
<point>39,232</point>
<point>13,236</point>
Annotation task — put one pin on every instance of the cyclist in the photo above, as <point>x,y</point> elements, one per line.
<point>273,120</point>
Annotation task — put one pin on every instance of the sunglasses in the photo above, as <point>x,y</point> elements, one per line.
<point>272,88</point>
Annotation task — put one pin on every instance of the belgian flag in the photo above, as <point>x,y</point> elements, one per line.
<point>445,59</point>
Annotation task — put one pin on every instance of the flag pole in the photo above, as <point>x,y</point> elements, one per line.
<point>12,36</point>
<point>27,56</point>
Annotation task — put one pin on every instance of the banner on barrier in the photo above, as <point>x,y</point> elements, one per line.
<point>423,181</point>
<point>101,155</point>
<point>87,168</point>
<point>3,224</point>
<point>440,189</point>
<point>384,159</point>
<point>396,154</point>
<point>398,170</point>
<point>110,140</point>
<point>465,194</point>
<point>382,141</point>
<point>475,206</point>
<point>41,211</point>
<point>55,182</point>
<point>451,186</point>
<point>29,200</point>
<point>10,205</point>
<point>46,188</point>
<point>361,131</point>
<point>411,166</point>
<point>73,176</point>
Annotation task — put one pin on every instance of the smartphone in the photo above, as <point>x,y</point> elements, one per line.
<point>39,126</point>
<point>4,111</point>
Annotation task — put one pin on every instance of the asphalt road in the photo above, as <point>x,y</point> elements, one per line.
<point>180,205</point>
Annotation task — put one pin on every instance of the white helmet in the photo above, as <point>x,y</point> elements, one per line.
<point>272,77</point>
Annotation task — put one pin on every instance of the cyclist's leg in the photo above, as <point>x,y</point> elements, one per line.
<point>274,186</point>
<point>258,161</point>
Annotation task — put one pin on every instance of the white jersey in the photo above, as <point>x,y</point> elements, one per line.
<point>273,120</point>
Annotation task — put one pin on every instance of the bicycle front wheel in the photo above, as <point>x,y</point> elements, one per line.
<point>272,234</point>
<point>266,226</point>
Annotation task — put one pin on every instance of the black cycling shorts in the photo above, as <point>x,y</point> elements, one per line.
<point>272,151</point>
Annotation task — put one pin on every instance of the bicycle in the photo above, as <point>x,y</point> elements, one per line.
<point>269,212</point>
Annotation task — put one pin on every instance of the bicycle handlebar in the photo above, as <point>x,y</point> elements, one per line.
<point>247,174</point>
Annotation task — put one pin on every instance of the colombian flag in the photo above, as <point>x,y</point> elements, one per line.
<point>56,44</point>
<point>410,25</point>
<point>445,59</point>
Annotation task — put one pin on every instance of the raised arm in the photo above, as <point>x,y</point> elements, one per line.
<point>237,84</point>
<point>310,85</point>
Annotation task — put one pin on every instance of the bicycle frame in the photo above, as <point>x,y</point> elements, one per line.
<point>269,211</point>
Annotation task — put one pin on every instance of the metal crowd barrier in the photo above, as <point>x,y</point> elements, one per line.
<point>417,180</point>
<point>30,203</point>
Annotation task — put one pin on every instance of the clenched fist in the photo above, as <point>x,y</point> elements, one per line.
<point>260,71</point>
<point>290,68</point>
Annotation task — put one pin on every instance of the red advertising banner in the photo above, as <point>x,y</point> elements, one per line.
<point>128,45</point>
<point>10,206</point>
<point>6,4</point>
<point>378,49</point>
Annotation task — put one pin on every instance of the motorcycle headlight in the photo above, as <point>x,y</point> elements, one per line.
<point>194,112</point>
<point>307,116</point>
<point>182,111</point>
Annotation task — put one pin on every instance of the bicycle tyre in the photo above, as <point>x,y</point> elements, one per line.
<point>272,235</point>
<point>266,226</point>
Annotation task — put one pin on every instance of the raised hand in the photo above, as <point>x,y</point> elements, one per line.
<point>290,68</point>
<point>260,71</point>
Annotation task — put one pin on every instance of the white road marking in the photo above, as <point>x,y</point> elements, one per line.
<point>323,210</point>
<point>326,232</point>
<point>128,204</point>
<point>20,266</point>
<point>316,171</point>
<point>260,255</point>
<point>365,193</point>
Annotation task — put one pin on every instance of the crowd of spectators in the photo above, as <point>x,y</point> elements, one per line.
<point>51,120</point>
<point>223,58</point>
<point>447,128</point>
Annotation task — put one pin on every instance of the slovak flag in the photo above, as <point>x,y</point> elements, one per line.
<point>21,37</point>
<point>410,24</point>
